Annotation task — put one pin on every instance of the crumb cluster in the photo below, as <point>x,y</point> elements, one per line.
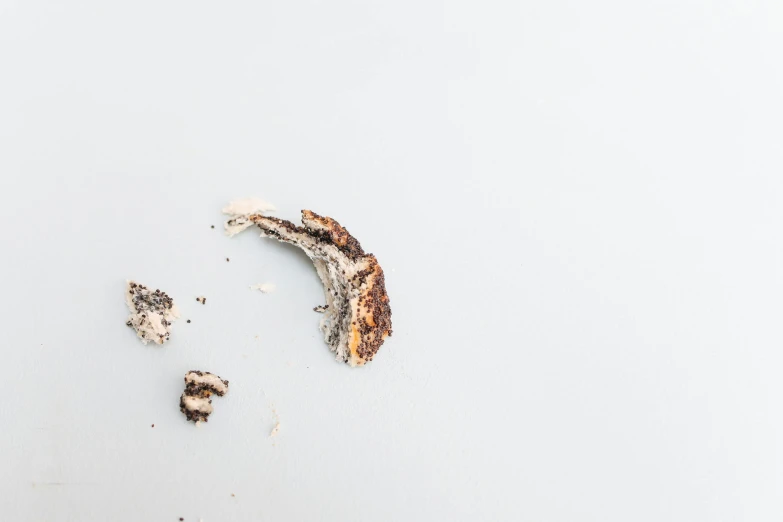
<point>195,402</point>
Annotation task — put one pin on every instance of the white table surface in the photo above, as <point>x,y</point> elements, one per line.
<point>577,206</point>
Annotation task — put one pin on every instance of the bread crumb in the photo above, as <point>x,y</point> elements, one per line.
<point>195,402</point>
<point>202,299</point>
<point>277,422</point>
<point>266,288</point>
<point>152,313</point>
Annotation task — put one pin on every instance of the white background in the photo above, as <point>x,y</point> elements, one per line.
<point>577,206</point>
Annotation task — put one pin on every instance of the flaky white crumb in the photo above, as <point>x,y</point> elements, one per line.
<point>265,288</point>
<point>240,209</point>
<point>246,206</point>
<point>275,430</point>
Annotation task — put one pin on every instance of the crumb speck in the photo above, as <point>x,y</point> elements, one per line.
<point>265,288</point>
<point>188,320</point>
<point>202,299</point>
<point>275,430</point>
<point>153,425</point>
<point>227,260</point>
<point>212,226</point>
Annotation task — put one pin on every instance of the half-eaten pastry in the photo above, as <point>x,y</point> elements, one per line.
<point>357,316</point>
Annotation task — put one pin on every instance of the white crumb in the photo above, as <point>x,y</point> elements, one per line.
<point>276,429</point>
<point>247,206</point>
<point>266,288</point>
<point>240,209</point>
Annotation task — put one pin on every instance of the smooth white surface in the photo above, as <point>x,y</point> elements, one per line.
<point>577,204</point>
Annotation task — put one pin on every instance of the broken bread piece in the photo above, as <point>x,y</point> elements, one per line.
<point>152,312</point>
<point>195,402</point>
<point>357,316</point>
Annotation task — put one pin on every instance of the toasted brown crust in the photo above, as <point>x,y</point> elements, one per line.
<point>333,232</point>
<point>370,313</point>
<point>374,313</point>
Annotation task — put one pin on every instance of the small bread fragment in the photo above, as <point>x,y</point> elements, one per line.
<point>195,402</point>
<point>152,313</point>
<point>357,316</point>
<point>264,288</point>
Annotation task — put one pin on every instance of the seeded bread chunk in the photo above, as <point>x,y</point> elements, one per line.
<point>152,313</point>
<point>195,402</point>
<point>357,315</point>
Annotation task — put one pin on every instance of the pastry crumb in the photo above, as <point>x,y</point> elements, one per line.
<point>321,308</point>
<point>195,402</point>
<point>265,288</point>
<point>202,299</point>
<point>152,312</point>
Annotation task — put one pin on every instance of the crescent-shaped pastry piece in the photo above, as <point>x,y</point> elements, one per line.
<point>357,315</point>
